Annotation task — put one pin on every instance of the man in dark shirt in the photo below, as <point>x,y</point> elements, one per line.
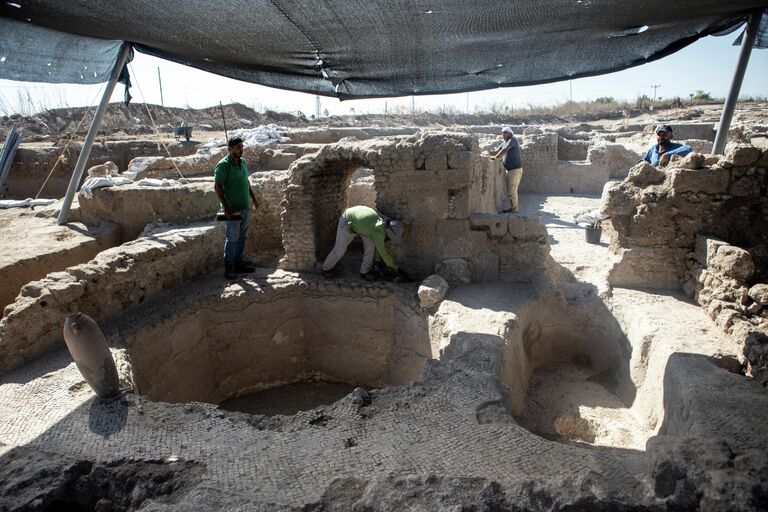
<point>513,165</point>
<point>660,152</point>
<point>235,194</point>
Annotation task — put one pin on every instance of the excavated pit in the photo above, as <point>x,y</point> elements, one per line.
<point>569,377</point>
<point>282,351</point>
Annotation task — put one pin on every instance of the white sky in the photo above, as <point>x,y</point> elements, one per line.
<point>707,64</point>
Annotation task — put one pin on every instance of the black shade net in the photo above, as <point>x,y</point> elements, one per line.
<point>357,49</point>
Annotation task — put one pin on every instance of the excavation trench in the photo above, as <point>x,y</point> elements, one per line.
<point>567,368</point>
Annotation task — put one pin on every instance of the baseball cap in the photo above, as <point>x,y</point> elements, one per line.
<point>663,128</point>
<point>394,230</point>
<point>508,130</point>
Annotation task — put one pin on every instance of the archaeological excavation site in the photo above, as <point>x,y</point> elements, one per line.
<point>600,346</point>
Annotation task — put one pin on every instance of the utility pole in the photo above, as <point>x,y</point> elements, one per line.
<point>385,108</point>
<point>654,92</point>
<point>160,81</point>
<point>413,105</point>
<point>570,105</point>
<point>317,107</point>
<point>467,103</point>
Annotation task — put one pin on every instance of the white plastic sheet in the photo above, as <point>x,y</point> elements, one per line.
<point>93,182</point>
<point>24,203</point>
<point>252,136</point>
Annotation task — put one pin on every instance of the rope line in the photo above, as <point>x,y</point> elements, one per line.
<point>61,157</point>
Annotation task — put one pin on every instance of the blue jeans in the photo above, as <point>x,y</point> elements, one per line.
<point>237,231</point>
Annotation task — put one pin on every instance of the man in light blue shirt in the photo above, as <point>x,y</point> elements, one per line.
<point>664,148</point>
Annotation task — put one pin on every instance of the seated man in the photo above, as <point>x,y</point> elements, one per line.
<point>374,229</point>
<point>660,152</point>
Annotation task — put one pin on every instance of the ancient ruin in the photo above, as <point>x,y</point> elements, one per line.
<point>524,369</point>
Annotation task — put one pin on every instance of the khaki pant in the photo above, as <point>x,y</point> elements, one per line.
<point>513,183</point>
<point>344,237</point>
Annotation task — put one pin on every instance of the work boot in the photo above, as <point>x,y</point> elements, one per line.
<point>369,276</point>
<point>331,273</point>
<point>229,271</point>
<point>243,268</point>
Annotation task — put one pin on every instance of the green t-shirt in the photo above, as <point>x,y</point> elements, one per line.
<point>234,180</point>
<point>365,221</point>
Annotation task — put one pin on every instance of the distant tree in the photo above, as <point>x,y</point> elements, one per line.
<point>605,99</point>
<point>701,95</point>
<point>643,101</point>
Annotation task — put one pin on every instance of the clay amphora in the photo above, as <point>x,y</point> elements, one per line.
<point>90,351</point>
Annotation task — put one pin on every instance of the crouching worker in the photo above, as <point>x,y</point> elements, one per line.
<point>236,197</point>
<point>374,229</point>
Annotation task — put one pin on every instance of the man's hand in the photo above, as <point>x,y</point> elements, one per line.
<point>664,160</point>
<point>228,212</point>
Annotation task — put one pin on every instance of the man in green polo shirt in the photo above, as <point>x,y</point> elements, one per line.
<point>374,229</point>
<point>235,194</point>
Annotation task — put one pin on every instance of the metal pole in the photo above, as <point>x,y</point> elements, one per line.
<point>224,120</point>
<point>160,81</point>
<point>738,77</point>
<point>77,174</point>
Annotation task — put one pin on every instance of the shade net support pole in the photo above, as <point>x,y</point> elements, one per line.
<point>738,77</point>
<point>85,152</point>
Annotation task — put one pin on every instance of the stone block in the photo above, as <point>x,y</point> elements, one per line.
<point>436,162</point>
<point>744,186</point>
<point>741,154</point>
<point>692,161</point>
<point>458,159</point>
<point>706,248</point>
<point>454,270</point>
<point>496,225</point>
<point>734,262</point>
<point>106,169</point>
<point>619,199</point>
<point>432,290</point>
<point>644,174</point>
<point>712,180</point>
<point>520,227</point>
<point>759,293</point>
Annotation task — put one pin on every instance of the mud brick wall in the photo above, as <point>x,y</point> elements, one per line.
<point>432,182</point>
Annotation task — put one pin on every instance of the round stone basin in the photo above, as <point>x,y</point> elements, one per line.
<point>221,348</point>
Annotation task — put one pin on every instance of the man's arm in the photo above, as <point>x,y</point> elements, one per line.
<point>648,154</point>
<point>682,150</point>
<point>220,193</point>
<point>381,249</point>
<point>503,150</point>
<point>254,202</point>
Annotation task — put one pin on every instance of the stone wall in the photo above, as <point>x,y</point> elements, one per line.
<point>555,165</point>
<point>438,185</point>
<point>656,214</point>
<point>721,278</point>
<point>31,165</point>
<point>115,281</point>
